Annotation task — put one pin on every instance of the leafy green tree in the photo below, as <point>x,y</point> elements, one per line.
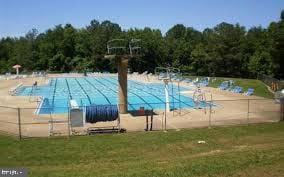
<point>224,50</point>
<point>276,34</point>
<point>201,61</point>
<point>57,63</point>
<point>259,63</point>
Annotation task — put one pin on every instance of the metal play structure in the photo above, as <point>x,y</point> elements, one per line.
<point>170,75</point>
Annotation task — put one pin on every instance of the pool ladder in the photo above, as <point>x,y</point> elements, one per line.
<point>38,98</point>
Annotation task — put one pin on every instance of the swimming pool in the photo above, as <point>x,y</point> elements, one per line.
<point>103,90</point>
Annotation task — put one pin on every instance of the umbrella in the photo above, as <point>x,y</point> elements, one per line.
<point>17,68</point>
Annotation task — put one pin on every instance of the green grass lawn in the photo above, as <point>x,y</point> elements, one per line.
<point>254,150</point>
<point>260,89</point>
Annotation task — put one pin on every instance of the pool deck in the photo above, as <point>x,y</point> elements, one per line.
<point>231,109</point>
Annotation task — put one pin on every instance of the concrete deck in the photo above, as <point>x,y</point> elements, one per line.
<point>231,109</point>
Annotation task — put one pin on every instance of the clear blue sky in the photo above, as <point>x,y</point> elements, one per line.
<point>19,16</point>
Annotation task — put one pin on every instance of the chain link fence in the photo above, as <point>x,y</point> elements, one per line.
<point>10,121</point>
<point>26,122</point>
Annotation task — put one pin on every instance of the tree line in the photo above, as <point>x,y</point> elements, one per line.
<point>227,50</point>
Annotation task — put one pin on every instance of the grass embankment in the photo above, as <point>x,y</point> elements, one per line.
<point>260,89</point>
<point>255,150</point>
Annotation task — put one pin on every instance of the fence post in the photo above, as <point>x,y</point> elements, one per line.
<point>50,124</point>
<point>210,110</point>
<point>165,128</point>
<point>248,114</point>
<point>19,123</point>
<point>68,122</point>
<point>281,111</point>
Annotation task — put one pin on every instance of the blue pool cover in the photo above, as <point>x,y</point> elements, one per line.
<point>103,91</point>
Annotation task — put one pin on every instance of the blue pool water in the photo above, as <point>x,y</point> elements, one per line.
<point>103,90</point>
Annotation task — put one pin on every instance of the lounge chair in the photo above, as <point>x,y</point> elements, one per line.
<point>240,90</point>
<point>231,88</point>
<point>249,92</point>
<point>205,83</point>
<point>202,83</point>
<point>237,89</point>
<point>224,85</point>
<point>163,75</point>
<point>196,81</point>
<point>187,80</point>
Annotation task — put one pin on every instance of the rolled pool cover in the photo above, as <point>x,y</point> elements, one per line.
<point>101,113</point>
